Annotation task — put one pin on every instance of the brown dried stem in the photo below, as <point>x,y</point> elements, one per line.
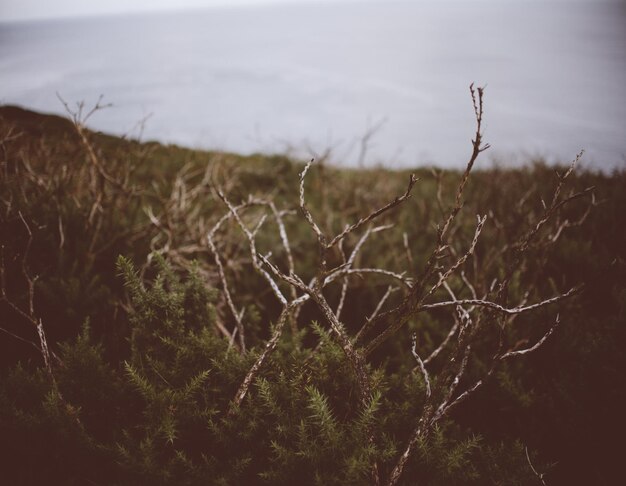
<point>29,314</point>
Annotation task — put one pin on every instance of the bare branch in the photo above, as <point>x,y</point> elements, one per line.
<point>355,359</point>
<point>477,149</point>
<point>409,256</point>
<point>44,350</point>
<point>407,282</point>
<point>539,475</point>
<point>469,285</point>
<point>307,215</point>
<point>420,364</point>
<point>220,326</point>
<point>229,300</point>
<point>466,394</point>
<point>379,306</point>
<point>444,343</point>
<point>253,253</point>
<point>498,307</point>
<point>348,264</point>
<point>449,393</point>
<point>19,338</point>
<point>375,214</point>
<point>61,233</point>
<point>460,261</point>
<point>537,345</point>
<point>496,360</point>
<point>399,316</point>
<point>79,121</point>
<point>267,350</point>
<point>278,216</point>
<point>30,314</point>
<point>461,315</point>
<point>365,140</point>
<point>342,296</point>
<point>555,203</point>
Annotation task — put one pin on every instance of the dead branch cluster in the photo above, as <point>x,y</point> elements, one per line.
<point>485,307</point>
<point>451,279</point>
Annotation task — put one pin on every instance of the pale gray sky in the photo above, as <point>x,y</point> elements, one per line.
<point>39,9</point>
<point>45,9</point>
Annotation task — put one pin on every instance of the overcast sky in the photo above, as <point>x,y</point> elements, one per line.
<point>45,9</point>
<point>37,9</point>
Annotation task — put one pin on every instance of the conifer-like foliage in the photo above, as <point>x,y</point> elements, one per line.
<point>178,317</point>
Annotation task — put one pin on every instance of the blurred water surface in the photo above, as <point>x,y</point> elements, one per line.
<point>310,77</point>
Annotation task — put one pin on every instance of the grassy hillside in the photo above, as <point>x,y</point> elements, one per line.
<point>142,342</point>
